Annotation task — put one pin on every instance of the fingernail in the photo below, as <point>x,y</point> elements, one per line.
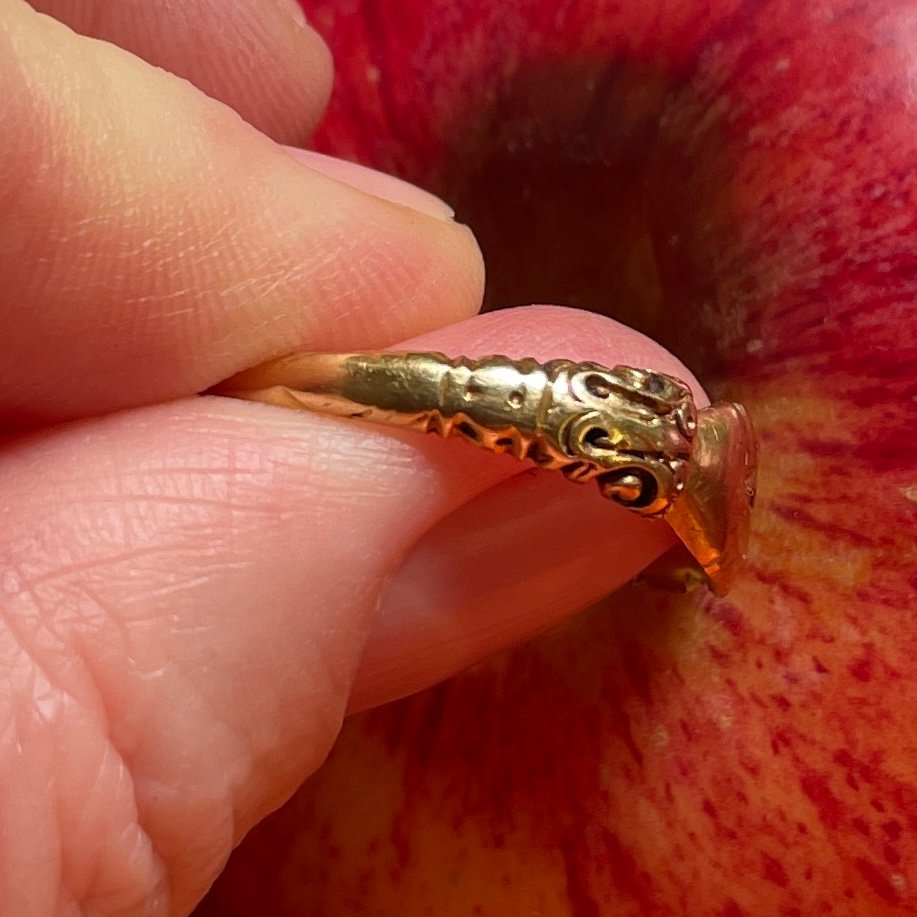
<point>376,183</point>
<point>294,10</point>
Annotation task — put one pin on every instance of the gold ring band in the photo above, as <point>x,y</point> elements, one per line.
<point>635,432</point>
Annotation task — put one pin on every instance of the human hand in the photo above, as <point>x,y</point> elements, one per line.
<point>189,583</point>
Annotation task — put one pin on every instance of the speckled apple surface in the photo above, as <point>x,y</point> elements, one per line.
<point>737,180</point>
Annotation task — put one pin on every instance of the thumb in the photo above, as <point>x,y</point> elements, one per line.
<point>186,594</point>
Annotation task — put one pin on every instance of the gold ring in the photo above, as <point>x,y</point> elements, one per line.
<point>635,432</point>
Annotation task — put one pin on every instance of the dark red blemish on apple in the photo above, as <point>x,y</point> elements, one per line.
<point>861,825</point>
<point>794,591</point>
<point>891,854</point>
<point>819,666</point>
<point>866,772</point>
<point>876,880</point>
<point>750,765</point>
<point>766,576</point>
<point>773,870</point>
<point>729,616</point>
<point>861,668</point>
<point>870,396</point>
<point>892,830</point>
<point>731,909</point>
<point>781,657</point>
<point>827,448</point>
<point>887,448</point>
<point>782,703</point>
<point>832,530</point>
<point>830,809</point>
<point>891,594</point>
<point>782,737</point>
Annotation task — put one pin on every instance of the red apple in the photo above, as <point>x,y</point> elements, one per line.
<point>739,180</point>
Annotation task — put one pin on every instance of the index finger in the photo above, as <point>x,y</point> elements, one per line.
<point>152,243</point>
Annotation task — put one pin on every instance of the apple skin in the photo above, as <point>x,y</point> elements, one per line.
<point>739,180</point>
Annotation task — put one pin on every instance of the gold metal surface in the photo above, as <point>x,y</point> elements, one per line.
<point>634,432</point>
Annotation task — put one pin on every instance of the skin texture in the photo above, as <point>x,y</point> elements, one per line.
<point>187,583</point>
<point>237,37</point>
<point>736,180</point>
